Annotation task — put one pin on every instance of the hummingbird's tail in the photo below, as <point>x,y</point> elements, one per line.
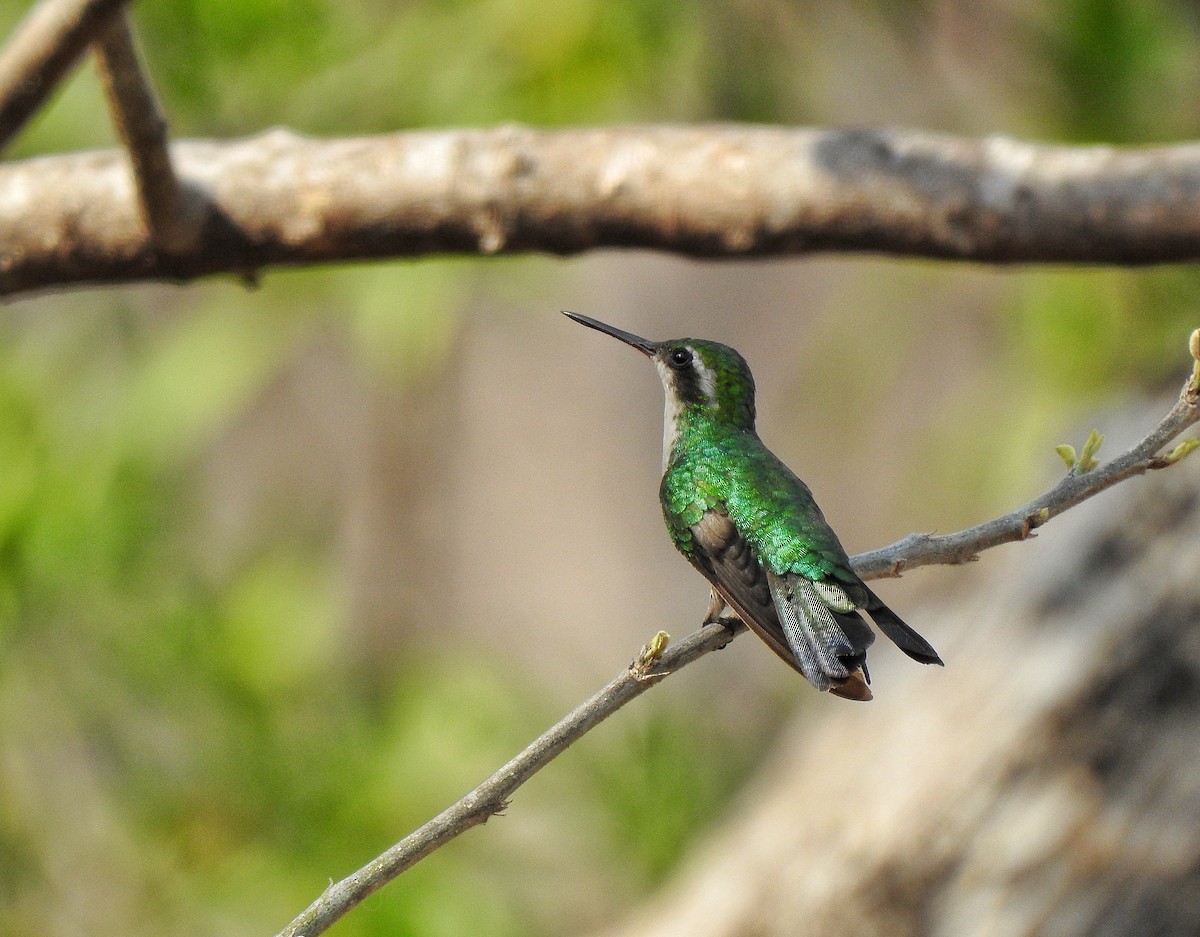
<point>901,634</point>
<point>829,645</point>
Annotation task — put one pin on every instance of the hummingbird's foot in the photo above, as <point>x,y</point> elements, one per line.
<point>650,655</point>
<point>716,605</point>
<point>732,624</point>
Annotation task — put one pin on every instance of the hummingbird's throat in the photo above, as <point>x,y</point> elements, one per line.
<point>671,417</point>
<point>671,412</point>
<point>697,384</point>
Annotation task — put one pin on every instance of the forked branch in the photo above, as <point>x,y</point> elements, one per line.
<point>172,219</point>
<point>654,663</point>
<point>41,51</point>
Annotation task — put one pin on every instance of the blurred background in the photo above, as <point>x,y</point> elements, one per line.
<point>284,571</point>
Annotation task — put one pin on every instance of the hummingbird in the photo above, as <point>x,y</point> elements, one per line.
<point>750,526</point>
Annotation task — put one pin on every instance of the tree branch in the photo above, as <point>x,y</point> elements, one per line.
<point>653,664</point>
<point>173,220</point>
<point>491,797</point>
<point>709,191</point>
<point>965,545</point>
<point>44,47</point>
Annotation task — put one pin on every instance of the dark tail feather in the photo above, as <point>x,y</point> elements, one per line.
<point>858,637</point>
<point>850,650</point>
<point>902,636</point>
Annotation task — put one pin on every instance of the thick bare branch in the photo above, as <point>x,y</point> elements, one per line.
<point>173,220</point>
<point>712,191</point>
<point>41,51</point>
<point>653,665</point>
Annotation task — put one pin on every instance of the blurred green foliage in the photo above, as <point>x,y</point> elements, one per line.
<point>395,65</point>
<point>186,744</point>
<point>1127,69</point>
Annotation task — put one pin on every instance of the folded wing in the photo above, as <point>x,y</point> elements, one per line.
<point>795,618</point>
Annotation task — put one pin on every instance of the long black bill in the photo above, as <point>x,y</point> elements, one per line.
<point>641,344</point>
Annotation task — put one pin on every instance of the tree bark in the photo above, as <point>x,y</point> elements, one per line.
<point>1047,782</point>
<point>706,191</point>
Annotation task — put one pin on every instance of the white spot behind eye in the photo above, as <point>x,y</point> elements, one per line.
<point>708,381</point>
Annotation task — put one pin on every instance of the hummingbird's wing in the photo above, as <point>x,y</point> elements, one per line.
<point>827,646</point>
<point>728,561</point>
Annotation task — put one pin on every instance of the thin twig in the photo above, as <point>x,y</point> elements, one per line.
<point>712,191</point>
<point>653,665</point>
<point>965,545</point>
<point>43,48</point>
<point>172,219</point>
<point>491,797</point>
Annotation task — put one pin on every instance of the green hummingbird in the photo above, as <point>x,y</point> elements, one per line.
<point>752,528</point>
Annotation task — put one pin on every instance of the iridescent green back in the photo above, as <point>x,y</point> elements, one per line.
<point>719,463</point>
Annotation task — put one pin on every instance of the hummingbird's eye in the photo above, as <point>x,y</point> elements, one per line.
<point>680,357</point>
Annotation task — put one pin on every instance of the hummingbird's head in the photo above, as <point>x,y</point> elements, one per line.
<point>696,374</point>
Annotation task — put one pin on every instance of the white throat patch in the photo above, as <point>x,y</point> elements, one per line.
<point>674,408</point>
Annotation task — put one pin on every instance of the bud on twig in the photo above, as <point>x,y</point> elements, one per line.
<point>1193,386</point>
